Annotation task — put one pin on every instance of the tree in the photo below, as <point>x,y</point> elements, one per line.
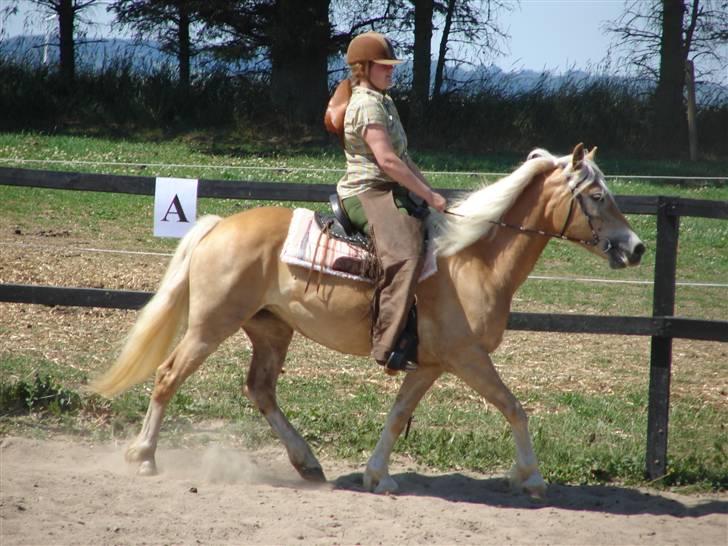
<point>660,36</point>
<point>422,57</point>
<point>169,22</point>
<point>670,112</point>
<point>471,34</point>
<point>293,36</point>
<point>299,51</point>
<point>67,12</point>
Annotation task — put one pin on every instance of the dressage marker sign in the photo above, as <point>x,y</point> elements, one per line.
<point>175,206</point>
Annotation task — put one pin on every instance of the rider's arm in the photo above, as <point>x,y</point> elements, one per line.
<point>377,139</point>
<point>416,170</point>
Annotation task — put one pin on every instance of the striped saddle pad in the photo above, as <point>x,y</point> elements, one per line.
<point>307,246</point>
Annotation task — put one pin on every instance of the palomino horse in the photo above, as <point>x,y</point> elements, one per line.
<point>226,274</point>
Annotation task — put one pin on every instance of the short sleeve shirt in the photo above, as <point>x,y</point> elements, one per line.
<point>368,107</point>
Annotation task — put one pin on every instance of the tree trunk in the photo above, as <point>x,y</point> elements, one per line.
<point>299,53</point>
<point>183,46</point>
<point>422,54</point>
<point>440,69</point>
<point>692,110</point>
<point>670,125</point>
<point>66,16</point>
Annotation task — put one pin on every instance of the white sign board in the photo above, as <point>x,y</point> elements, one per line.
<point>175,206</point>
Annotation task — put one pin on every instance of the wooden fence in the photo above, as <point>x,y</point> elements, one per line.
<point>662,326</point>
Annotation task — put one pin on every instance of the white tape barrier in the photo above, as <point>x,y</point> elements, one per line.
<point>55,248</point>
<point>325,170</point>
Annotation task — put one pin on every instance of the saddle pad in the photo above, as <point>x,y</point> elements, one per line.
<point>305,242</point>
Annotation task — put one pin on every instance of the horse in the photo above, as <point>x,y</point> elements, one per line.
<point>226,275</point>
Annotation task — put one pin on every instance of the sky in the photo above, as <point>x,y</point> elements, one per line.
<point>554,35</point>
<point>558,34</point>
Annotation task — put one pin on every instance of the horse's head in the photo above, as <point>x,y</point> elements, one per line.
<point>592,216</point>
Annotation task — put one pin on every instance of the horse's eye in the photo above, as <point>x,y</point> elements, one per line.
<point>597,196</point>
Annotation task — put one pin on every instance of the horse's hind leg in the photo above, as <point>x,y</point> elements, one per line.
<point>476,368</point>
<point>196,345</point>
<point>270,337</point>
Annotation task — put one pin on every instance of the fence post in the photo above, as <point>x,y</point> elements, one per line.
<point>663,304</point>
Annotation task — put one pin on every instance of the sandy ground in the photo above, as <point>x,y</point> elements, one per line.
<point>65,491</point>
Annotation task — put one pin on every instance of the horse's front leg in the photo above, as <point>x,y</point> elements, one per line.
<point>476,368</point>
<point>414,386</point>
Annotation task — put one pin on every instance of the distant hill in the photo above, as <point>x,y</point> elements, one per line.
<point>94,55</point>
<point>145,57</point>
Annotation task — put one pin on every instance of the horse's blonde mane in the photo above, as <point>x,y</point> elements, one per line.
<point>473,215</point>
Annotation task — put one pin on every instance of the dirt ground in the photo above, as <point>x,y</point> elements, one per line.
<point>64,491</point>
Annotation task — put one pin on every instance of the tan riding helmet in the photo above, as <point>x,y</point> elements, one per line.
<point>371,46</point>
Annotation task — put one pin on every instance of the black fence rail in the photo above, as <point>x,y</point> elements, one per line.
<point>662,326</point>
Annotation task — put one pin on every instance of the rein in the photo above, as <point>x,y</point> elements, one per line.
<point>562,235</point>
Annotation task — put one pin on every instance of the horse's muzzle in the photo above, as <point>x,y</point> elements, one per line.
<point>624,254</point>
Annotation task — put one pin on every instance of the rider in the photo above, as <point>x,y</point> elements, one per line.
<point>381,190</point>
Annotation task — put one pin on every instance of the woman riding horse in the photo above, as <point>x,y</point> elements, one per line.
<point>227,274</point>
<point>375,191</point>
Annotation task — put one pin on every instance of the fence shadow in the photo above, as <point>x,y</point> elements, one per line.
<point>608,499</point>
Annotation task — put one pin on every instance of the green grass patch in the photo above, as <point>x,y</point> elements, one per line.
<point>41,393</point>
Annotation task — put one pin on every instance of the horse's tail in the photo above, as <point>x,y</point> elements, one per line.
<point>149,341</point>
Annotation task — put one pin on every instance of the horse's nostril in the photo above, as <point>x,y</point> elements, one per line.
<point>639,249</point>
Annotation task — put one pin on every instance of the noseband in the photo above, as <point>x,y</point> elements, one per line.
<point>561,235</point>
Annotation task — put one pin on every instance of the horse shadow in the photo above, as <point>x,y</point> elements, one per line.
<point>496,492</point>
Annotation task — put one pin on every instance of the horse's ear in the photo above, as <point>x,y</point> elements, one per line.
<point>591,154</point>
<point>578,156</point>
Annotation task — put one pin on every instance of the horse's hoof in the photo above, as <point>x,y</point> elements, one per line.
<point>535,486</point>
<point>312,473</point>
<point>382,486</point>
<point>147,468</point>
<point>138,453</point>
<point>386,486</point>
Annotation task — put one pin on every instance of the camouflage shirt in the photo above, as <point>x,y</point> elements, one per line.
<point>368,107</point>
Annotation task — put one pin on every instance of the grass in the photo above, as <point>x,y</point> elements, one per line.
<point>588,424</point>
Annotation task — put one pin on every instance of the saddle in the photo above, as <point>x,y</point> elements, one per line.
<point>338,225</point>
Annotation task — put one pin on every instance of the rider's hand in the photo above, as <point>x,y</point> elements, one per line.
<point>438,202</point>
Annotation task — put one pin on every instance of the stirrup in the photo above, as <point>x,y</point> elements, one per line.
<point>397,361</point>
<point>404,355</point>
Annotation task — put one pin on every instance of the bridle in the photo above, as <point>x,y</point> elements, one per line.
<point>595,240</point>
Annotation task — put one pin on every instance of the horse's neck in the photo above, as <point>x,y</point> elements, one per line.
<point>508,256</point>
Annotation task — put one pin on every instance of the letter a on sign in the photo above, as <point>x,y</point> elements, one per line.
<point>175,206</point>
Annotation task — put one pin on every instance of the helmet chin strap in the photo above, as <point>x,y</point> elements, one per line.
<point>369,83</point>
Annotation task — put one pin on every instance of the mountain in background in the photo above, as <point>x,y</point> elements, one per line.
<point>145,57</point>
